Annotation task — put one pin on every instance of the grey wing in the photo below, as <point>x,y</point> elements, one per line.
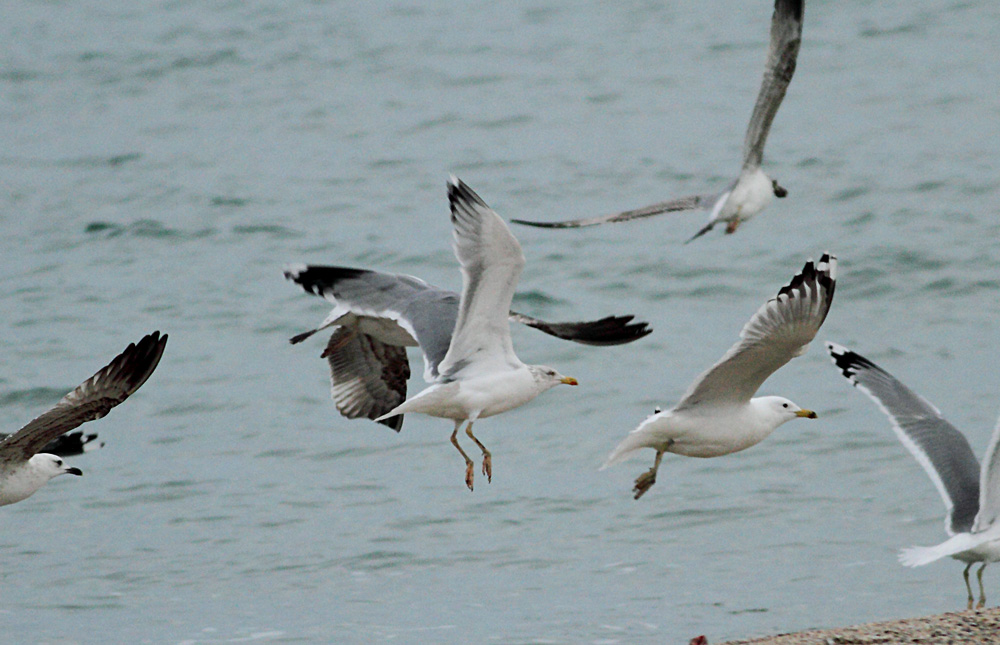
<point>780,330</point>
<point>395,309</point>
<point>690,202</point>
<point>612,330</point>
<point>942,451</point>
<point>989,489</point>
<point>367,377</point>
<point>91,400</point>
<point>786,36</point>
<point>491,260</point>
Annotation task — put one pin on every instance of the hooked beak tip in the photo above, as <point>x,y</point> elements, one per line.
<point>569,380</point>
<point>74,471</point>
<point>808,414</point>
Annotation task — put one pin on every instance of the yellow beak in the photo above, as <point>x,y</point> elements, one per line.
<point>809,414</point>
<point>568,380</point>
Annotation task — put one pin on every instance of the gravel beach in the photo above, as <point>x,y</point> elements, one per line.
<point>973,626</point>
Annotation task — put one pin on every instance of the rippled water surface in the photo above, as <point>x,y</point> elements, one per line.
<point>162,161</point>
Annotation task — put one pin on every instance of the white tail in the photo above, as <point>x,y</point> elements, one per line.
<point>629,444</point>
<point>917,556</point>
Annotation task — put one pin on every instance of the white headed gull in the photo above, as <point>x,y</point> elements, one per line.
<point>719,415</point>
<point>971,494</point>
<point>752,190</point>
<point>23,468</point>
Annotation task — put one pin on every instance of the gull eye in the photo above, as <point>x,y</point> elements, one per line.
<point>784,405</point>
<point>59,462</point>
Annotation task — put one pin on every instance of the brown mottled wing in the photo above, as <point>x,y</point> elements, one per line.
<point>367,377</point>
<point>786,36</point>
<point>91,400</point>
<point>780,330</point>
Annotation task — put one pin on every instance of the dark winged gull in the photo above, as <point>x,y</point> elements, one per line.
<point>717,415</point>
<point>971,494</point>
<point>752,190</point>
<point>468,355</point>
<point>23,468</point>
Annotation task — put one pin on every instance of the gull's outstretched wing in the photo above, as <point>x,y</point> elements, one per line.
<point>780,330</point>
<point>786,36</point>
<point>91,400</point>
<point>989,488</point>
<point>612,330</point>
<point>942,451</point>
<point>367,377</point>
<point>491,261</point>
<point>691,202</point>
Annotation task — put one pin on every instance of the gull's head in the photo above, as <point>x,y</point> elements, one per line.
<point>53,466</point>
<point>778,409</point>
<point>546,377</point>
<point>779,191</point>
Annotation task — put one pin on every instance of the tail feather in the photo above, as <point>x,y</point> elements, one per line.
<point>632,442</point>
<point>917,556</point>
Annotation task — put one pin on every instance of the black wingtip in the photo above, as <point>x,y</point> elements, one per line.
<point>396,422</point>
<point>460,194</point>
<point>708,227</point>
<point>316,279</point>
<point>524,222</point>
<point>793,8</point>
<point>849,362</point>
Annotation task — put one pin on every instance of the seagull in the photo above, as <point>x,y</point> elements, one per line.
<point>23,468</point>
<point>377,315</point>
<point>469,358</point>
<point>753,189</point>
<point>69,445</point>
<point>717,415</point>
<point>971,495</point>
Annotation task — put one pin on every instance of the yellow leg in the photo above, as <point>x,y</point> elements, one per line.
<point>968,587</point>
<point>468,462</point>
<point>487,457</point>
<point>646,480</point>
<point>982,592</point>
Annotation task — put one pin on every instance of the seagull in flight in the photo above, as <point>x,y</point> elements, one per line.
<point>24,468</point>
<point>753,189</point>
<point>468,354</point>
<point>971,494</point>
<point>718,415</point>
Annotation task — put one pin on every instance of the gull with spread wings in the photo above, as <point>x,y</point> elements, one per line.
<point>468,355</point>
<point>971,493</point>
<point>719,414</point>
<point>753,190</point>
<point>23,468</point>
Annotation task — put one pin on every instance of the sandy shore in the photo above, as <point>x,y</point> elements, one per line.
<point>982,626</point>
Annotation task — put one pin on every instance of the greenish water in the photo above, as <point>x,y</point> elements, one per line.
<point>162,161</point>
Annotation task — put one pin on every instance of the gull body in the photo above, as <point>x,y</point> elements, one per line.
<point>719,414</point>
<point>23,469</point>
<point>704,436</point>
<point>970,492</point>
<point>753,190</point>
